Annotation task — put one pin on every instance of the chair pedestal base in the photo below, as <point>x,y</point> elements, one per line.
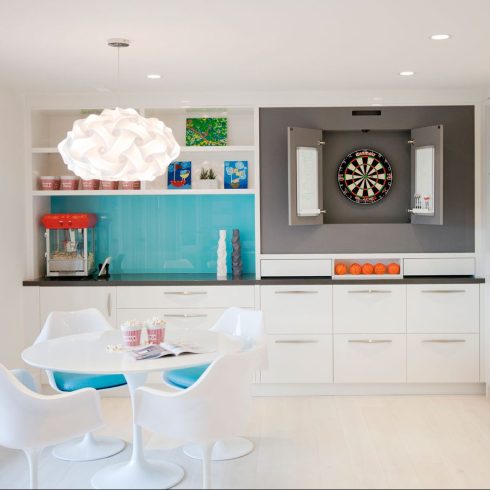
<point>223,450</point>
<point>140,474</point>
<point>89,448</point>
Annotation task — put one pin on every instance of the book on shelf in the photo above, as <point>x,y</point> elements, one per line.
<point>155,351</point>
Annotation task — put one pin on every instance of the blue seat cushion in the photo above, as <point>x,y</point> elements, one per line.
<point>77,381</point>
<point>186,377</point>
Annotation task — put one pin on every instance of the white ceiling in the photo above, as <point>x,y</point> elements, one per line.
<point>212,45</point>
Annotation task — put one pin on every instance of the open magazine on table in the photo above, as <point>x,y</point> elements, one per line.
<point>153,351</point>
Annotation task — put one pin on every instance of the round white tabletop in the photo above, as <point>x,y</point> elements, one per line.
<point>87,353</point>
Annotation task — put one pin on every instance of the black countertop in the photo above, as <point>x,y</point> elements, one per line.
<point>246,280</point>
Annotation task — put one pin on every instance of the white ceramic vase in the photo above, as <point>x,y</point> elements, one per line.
<point>221,264</point>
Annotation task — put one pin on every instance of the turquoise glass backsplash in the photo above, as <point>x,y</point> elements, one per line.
<point>173,234</point>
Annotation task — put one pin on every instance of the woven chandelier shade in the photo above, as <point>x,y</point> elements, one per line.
<point>119,144</point>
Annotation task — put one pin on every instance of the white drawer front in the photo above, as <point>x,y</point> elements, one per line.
<point>367,308</point>
<point>464,266</point>
<point>185,296</point>
<point>443,308</point>
<point>297,309</point>
<point>443,358</point>
<point>298,359</point>
<point>370,358</point>
<point>178,319</point>
<point>295,267</point>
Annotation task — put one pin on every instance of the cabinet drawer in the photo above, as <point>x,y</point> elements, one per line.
<point>185,296</point>
<point>297,309</point>
<point>443,308</point>
<point>178,319</point>
<point>367,308</point>
<point>298,359</point>
<point>370,358</point>
<point>443,358</point>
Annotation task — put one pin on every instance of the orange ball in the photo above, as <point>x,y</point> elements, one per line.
<point>393,268</point>
<point>340,269</point>
<point>380,268</point>
<point>367,268</point>
<point>355,269</point>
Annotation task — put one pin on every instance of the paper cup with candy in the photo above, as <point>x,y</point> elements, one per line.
<point>155,328</point>
<point>131,331</point>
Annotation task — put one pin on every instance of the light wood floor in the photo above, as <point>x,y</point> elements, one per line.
<point>317,442</point>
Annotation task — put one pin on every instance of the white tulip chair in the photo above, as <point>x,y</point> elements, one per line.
<point>248,326</point>
<point>214,408</point>
<point>60,324</point>
<point>30,421</point>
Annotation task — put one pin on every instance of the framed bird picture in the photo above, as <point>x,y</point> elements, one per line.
<point>179,175</point>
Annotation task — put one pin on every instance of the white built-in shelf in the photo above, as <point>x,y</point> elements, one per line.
<point>183,149</point>
<point>150,192</point>
<point>366,277</point>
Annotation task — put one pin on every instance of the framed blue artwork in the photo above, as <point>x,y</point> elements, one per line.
<point>179,175</point>
<point>236,174</point>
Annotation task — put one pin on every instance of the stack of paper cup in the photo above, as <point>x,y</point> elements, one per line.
<point>131,331</point>
<point>155,329</point>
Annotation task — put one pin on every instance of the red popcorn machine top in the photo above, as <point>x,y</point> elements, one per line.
<point>70,244</point>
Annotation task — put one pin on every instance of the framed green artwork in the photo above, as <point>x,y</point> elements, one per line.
<point>206,131</point>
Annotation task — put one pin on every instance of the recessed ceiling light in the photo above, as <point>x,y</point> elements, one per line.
<point>376,104</point>
<point>153,76</point>
<point>407,73</point>
<point>440,37</point>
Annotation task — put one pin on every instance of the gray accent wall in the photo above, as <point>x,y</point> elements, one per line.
<point>384,228</point>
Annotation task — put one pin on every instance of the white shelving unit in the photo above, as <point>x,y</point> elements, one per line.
<point>49,126</point>
<point>148,192</point>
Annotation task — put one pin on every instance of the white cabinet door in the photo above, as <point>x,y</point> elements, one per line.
<point>297,309</point>
<point>370,359</point>
<point>443,358</point>
<point>443,308</point>
<point>77,298</point>
<point>185,296</point>
<point>298,359</point>
<point>368,308</point>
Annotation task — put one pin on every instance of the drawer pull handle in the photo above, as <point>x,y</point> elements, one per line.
<point>297,292</point>
<point>370,291</point>
<point>187,315</point>
<point>296,341</point>
<point>444,341</point>
<point>185,293</point>
<point>444,291</point>
<point>371,341</point>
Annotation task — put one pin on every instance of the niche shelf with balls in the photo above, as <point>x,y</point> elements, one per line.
<point>368,269</point>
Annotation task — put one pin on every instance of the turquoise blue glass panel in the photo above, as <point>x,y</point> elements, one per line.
<point>166,234</point>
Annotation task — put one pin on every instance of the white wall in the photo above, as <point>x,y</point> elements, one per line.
<point>12,222</point>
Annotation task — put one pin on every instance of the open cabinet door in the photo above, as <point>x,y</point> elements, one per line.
<point>305,176</point>
<point>427,176</point>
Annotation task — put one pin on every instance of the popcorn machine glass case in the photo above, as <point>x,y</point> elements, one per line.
<point>70,244</point>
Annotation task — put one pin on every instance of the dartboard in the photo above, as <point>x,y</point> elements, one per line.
<point>365,176</point>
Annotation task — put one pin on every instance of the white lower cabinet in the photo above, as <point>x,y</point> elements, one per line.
<point>298,359</point>
<point>443,308</point>
<point>370,358</point>
<point>443,358</point>
<point>297,309</point>
<point>368,308</point>
<point>77,298</point>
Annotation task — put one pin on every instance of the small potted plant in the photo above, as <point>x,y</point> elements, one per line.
<point>207,179</point>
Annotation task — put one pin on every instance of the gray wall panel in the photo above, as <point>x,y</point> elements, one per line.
<point>358,236</point>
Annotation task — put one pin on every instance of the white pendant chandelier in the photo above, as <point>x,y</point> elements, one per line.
<point>119,144</point>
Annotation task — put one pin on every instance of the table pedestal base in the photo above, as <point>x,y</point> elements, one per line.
<point>147,474</point>
<point>234,448</point>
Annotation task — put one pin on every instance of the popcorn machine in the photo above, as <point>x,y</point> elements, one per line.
<point>70,244</point>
